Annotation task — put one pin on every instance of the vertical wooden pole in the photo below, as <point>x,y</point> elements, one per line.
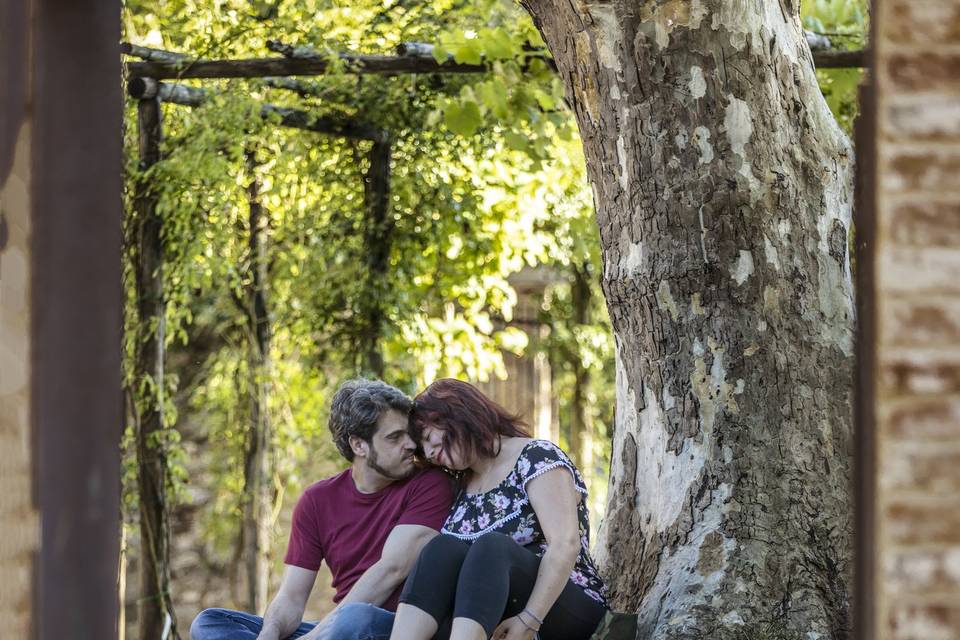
<point>257,457</point>
<point>865,419</point>
<point>156,616</point>
<point>60,318</point>
<point>581,423</point>
<point>377,241</point>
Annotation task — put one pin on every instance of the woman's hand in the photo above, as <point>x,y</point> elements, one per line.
<point>512,629</point>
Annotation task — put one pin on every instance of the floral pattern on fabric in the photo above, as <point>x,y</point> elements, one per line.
<point>506,509</point>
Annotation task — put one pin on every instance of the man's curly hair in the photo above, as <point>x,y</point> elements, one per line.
<point>357,406</point>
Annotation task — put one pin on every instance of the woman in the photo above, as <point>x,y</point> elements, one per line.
<point>512,560</point>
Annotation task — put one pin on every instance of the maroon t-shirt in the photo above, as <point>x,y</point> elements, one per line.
<point>334,522</point>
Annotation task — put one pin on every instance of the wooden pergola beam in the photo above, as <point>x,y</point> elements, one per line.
<point>148,88</point>
<point>150,54</point>
<point>841,59</point>
<point>260,67</point>
<point>364,65</point>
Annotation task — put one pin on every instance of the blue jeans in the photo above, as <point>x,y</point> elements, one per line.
<point>354,621</point>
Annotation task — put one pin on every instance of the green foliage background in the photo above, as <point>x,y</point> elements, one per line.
<point>488,179</point>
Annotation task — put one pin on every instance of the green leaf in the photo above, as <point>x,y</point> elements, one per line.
<point>546,101</point>
<point>463,118</point>
<point>516,141</point>
<point>494,97</point>
<point>440,54</point>
<point>497,44</point>
<point>468,53</point>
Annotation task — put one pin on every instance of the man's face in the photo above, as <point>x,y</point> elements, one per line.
<point>391,447</point>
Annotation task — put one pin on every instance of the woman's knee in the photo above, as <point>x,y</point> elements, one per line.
<point>445,547</point>
<point>493,544</point>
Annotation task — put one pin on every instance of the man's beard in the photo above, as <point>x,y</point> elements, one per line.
<point>372,462</point>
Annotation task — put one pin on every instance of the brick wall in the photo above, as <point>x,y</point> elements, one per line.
<point>917,284</point>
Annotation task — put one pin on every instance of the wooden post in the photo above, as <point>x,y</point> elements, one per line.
<point>257,459</point>
<point>581,422</point>
<point>156,617</point>
<point>378,234</point>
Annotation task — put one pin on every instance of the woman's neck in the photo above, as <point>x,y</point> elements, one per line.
<point>482,465</point>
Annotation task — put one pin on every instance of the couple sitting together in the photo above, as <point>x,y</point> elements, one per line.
<point>511,560</point>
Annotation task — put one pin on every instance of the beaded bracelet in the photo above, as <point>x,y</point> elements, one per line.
<point>531,614</point>
<point>523,622</point>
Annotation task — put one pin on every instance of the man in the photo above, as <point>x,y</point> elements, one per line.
<point>368,523</point>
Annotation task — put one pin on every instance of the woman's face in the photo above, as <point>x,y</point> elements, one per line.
<point>431,439</point>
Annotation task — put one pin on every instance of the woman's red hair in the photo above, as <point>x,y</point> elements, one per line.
<point>469,420</point>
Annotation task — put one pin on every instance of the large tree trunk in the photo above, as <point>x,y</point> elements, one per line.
<point>257,471</point>
<point>156,616</point>
<point>723,189</point>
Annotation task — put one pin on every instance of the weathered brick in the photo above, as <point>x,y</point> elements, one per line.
<point>912,270</point>
<point>932,418</point>
<point>927,22</point>
<point>930,468</point>
<point>919,570</point>
<point>925,321</point>
<point>922,117</point>
<point>928,223</point>
<point>930,171</point>
<point>923,71</point>
<point>919,372</point>
<point>924,621</point>
<point>910,521</point>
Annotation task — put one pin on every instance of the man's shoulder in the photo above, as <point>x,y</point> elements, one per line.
<point>327,485</point>
<point>430,478</point>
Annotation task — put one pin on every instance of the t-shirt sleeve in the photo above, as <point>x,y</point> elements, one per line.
<point>429,500</point>
<point>304,549</point>
<point>541,456</point>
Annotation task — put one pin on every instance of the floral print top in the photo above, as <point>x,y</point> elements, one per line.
<point>506,509</point>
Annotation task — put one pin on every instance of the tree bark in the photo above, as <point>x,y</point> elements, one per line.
<point>257,471</point>
<point>156,609</point>
<point>723,192</point>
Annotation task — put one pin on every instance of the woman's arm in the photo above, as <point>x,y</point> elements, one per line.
<point>554,499</point>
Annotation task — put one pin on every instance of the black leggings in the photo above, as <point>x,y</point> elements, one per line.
<point>490,581</point>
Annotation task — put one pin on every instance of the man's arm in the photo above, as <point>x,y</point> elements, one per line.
<point>400,551</point>
<point>285,612</point>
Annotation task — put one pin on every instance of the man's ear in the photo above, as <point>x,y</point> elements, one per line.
<point>359,446</point>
